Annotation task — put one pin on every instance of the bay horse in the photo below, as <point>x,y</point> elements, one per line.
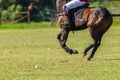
<point>98,21</point>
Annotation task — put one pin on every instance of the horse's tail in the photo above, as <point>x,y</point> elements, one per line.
<point>115,15</point>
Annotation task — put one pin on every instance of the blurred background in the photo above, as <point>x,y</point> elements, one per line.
<point>41,10</point>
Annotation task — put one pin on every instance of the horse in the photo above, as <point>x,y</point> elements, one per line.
<point>98,21</point>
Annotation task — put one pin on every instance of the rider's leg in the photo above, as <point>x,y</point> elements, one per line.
<point>69,8</point>
<point>69,14</point>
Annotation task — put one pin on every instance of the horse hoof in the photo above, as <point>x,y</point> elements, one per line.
<point>84,54</point>
<point>88,59</point>
<point>75,52</point>
<point>70,51</point>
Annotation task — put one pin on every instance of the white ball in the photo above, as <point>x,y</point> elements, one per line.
<point>36,66</point>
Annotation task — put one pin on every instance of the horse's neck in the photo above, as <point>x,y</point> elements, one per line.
<point>59,5</point>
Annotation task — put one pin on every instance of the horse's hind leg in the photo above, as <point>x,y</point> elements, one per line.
<point>87,49</point>
<point>96,39</point>
<point>97,42</point>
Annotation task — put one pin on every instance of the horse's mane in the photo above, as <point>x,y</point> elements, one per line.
<point>59,5</point>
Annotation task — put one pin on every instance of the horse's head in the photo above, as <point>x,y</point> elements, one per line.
<point>59,5</point>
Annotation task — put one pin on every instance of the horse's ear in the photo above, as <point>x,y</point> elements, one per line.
<point>59,5</point>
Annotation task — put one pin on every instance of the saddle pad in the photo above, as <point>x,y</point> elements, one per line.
<point>79,13</point>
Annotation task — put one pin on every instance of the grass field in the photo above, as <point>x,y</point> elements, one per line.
<point>35,54</point>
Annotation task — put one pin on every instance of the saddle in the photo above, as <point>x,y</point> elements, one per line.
<point>78,15</point>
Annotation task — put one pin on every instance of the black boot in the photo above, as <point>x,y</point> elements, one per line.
<point>70,16</point>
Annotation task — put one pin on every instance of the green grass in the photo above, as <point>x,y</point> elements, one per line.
<point>21,50</point>
<point>32,25</point>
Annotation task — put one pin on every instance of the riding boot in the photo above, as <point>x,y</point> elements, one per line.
<point>70,17</point>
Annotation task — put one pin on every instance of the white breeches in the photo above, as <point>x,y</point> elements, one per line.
<point>74,4</point>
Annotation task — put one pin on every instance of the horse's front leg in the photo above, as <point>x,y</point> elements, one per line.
<point>62,38</point>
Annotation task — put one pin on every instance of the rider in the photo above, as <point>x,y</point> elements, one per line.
<point>69,8</point>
